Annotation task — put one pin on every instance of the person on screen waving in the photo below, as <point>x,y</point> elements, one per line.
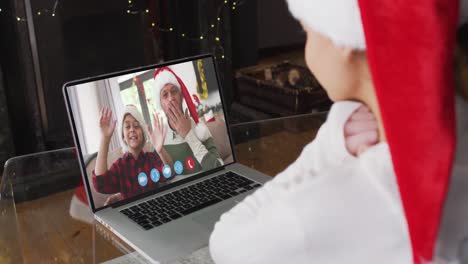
<point>136,171</point>
<point>189,141</point>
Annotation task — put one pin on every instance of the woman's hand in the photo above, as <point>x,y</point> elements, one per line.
<point>158,133</point>
<point>361,131</point>
<point>106,124</point>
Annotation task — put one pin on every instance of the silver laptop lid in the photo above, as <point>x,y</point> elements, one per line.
<point>148,129</point>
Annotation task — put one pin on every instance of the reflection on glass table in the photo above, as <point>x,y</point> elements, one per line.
<point>44,216</point>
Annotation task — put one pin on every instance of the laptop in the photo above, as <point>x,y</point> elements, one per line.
<point>164,211</point>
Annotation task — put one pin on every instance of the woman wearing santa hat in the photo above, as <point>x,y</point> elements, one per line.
<point>188,141</point>
<point>385,205</point>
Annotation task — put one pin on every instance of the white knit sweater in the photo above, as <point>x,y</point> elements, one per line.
<point>326,207</point>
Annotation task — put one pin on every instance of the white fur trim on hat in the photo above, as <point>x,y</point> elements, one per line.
<point>135,113</point>
<point>163,78</point>
<point>339,20</point>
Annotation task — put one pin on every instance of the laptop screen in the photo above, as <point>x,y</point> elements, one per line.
<point>142,130</point>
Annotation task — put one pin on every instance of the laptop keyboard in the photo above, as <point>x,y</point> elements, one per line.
<point>171,206</point>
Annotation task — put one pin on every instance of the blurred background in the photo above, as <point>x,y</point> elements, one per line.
<point>258,48</point>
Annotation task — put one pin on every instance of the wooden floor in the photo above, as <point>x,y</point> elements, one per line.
<point>48,234</point>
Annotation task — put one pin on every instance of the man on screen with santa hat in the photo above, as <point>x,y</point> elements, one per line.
<point>188,141</point>
<point>385,205</point>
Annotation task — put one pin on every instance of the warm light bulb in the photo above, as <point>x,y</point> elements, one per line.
<point>129,1</point>
<point>217,38</point>
<point>183,34</point>
<point>17,18</point>
<point>128,11</point>
<point>171,29</point>
<point>39,13</point>
<point>201,37</point>
<point>53,14</point>
<point>219,19</point>
<point>222,56</point>
<point>234,3</point>
<point>225,1</point>
<point>153,24</point>
<point>147,10</point>
<point>212,25</point>
<point>233,8</point>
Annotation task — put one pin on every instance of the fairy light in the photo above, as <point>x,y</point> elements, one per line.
<point>129,9</point>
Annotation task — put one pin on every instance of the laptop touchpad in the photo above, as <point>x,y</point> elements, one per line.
<point>211,216</point>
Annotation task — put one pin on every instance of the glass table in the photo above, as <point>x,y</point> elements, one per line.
<point>38,224</point>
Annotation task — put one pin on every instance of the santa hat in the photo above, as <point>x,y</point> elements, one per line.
<point>165,75</point>
<point>409,47</point>
<point>135,113</point>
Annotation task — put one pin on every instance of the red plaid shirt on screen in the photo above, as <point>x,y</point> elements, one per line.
<point>122,177</point>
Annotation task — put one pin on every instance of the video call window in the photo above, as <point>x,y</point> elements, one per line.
<point>157,126</point>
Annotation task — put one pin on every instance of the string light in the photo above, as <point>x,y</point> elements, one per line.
<point>211,33</point>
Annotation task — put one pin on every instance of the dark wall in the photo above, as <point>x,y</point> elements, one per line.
<point>87,38</point>
<point>17,65</point>
<point>276,26</point>
<point>263,27</point>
